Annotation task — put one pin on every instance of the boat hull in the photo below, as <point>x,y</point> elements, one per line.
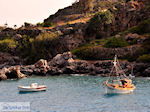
<point>112,90</point>
<point>31,89</point>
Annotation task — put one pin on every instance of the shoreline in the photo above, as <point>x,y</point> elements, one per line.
<point>66,64</point>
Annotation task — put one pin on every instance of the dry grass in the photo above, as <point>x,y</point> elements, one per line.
<point>80,20</point>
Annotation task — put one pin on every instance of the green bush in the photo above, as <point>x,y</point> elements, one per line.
<point>24,46</point>
<point>7,44</point>
<point>42,47</point>
<point>85,53</point>
<point>144,58</point>
<point>102,17</point>
<point>47,36</point>
<point>100,20</point>
<point>115,43</point>
<point>45,24</point>
<point>142,28</point>
<point>133,57</point>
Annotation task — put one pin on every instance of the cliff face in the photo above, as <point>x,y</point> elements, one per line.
<point>123,16</point>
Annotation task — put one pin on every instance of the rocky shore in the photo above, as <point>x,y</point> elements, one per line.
<point>94,34</point>
<point>66,64</point>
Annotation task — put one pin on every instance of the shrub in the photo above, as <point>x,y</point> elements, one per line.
<point>115,43</point>
<point>144,58</point>
<point>24,46</point>
<point>106,17</point>
<point>99,23</point>
<point>7,44</point>
<point>135,54</point>
<point>146,44</point>
<point>142,28</point>
<point>47,36</point>
<point>85,53</point>
<point>47,24</point>
<point>43,46</point>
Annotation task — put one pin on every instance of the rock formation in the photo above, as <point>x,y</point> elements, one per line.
<point>11,73</point>
<point>67,64</point>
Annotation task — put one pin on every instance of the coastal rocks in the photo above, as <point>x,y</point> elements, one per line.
<point>96,67</point>
<point>142,69</point>
<point>39,68</point>
<point>11,73</point>
<point>7,60</point>
<point>61,59</point>
<point>67,64</point>
<point>42,65</point>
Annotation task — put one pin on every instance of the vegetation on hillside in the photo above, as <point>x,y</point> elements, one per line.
<point>91,51</point>
<point>116,42</point>
<point>32,49</point>
<point>104,25</point>
<point>144,58</point>
<point>45,24</point>
<point>142,28</point>
<point>7,45</point>
<point>98,21</point>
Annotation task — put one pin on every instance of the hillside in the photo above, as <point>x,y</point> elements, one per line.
<point>92,30</point>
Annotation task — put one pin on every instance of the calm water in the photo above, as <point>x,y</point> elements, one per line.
<point>77,94</point>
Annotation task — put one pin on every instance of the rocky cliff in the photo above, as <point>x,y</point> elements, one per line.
<point>93,31</point>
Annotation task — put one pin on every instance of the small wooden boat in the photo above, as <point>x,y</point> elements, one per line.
<point>116,88</point>
<point>121,83</point>
<point>32,88</point>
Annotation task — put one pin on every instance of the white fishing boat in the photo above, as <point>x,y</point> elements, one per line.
<point>118,81</point>
<point>32,88</point>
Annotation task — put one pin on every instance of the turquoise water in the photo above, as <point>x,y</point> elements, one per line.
<point>77,94</point>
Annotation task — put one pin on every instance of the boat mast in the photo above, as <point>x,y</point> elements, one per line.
<point>118,69</point>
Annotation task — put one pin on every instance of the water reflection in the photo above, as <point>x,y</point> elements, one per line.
<point>30,92</point>
<point>110,95</point>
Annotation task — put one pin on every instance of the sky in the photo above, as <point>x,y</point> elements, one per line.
<point>16,12</point>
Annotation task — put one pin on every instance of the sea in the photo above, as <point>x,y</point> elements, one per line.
<point>76,94</point>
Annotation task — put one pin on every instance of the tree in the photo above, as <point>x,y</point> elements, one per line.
<point>15,26</point>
